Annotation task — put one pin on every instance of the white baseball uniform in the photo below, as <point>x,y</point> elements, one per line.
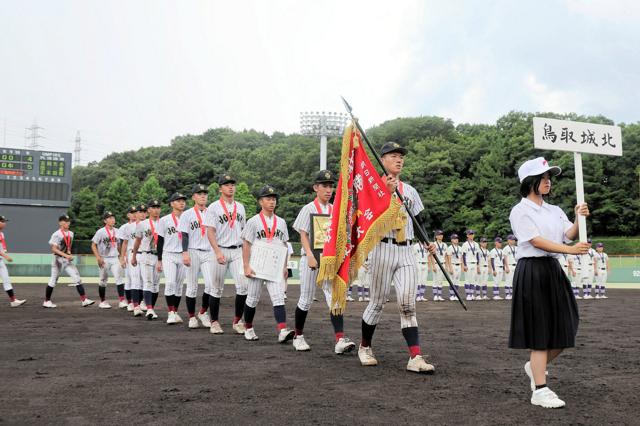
<point>106,241</point>
<point>511,252</point>
<point>64,240</point>
<point>172,267</point>
<point>200,252</point>
<point>4,272</point>
<point>147,255</point>
<point>483,278</point>
<point>601,279</point>
<point>496,256</point>
<point>127,233</point>
<point>422,260</point>
<point>470,251</point>
<point>438,275</point>
<point>454,252</point>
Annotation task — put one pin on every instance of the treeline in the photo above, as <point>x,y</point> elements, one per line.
<point>465,173</point>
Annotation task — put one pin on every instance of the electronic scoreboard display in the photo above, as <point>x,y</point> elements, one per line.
<point>30,177</point>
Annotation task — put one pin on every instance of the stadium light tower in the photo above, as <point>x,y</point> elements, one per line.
<point>322,124</point>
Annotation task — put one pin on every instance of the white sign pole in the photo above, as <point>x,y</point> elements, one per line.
<point>582,221</point>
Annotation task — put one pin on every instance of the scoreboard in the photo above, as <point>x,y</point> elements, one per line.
<point>35,178</point>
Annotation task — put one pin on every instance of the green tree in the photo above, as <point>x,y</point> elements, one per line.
<point>84,214</point>
<point>118,197</point>
<point>151,189</point>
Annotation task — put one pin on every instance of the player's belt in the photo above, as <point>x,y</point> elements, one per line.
<point>422,263</point>
<point>396,242</point>
<point>589,264</point>
<point>198,249</point>
<point>472,263</point>
<point>485,266</point>
<point>603,269</point>
<point>512,264</point>
<point>456,264</point>
<point>231,247</point>
<point>499,267</point>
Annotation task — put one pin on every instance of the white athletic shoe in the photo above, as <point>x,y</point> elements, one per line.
<point>87,302</point>
<point>417,364</point>
<point>205,319</point>
<point>508,297</point>
<point>469,298</point>
<point>366,298</point>
<point>171,318</point>
<point>104,305</point>
<point>588,296</point>
<point>178,318</point>
<point>604,296</point>
<point>137,311</point>
<point>143,306</point>
<point>250,334</point>
<point>285,335</point>
<point>497,298</point>
<point>546,398</point>
<point>130,307</point>
<point>453,298</point>
<point>597,296</point>
<point>122,304</point>
<point>17,302</point>
<point>48,304</point>
<point>193,322</point>
<point>360,299</point>
<point>344,345</point>
<point>350,299</point>
<point>299,344</point>
<point>216,328</point>
<point>578,297</point>
<point>151,314</point>
<point>366,356</point>
<point>239,327</point>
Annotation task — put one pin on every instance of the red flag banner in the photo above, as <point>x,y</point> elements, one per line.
<point>363,212</point>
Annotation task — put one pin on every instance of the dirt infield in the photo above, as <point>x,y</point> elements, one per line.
<point>74,365</point>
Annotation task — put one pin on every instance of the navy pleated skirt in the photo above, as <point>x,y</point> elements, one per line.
<point>544,312</point>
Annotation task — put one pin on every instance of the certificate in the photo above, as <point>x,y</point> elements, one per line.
<point>319,225</point>
<point>268,260</point>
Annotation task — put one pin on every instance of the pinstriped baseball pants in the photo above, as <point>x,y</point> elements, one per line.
<point>308,286</point>
<point>174,273</point>
<point>200,261</point>
<point>235,265</point>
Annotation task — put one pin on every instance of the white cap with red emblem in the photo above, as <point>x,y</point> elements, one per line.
<point>536,167</point>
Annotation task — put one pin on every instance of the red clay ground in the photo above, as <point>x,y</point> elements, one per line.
<point>74,365</point>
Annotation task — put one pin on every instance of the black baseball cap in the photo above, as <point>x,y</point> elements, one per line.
<point>470,232</point>
<point>3,219</point>
<point>154,202</point>
<point>498,240</point>
<point>132,209</point>
<point>392,147</point>
<point>325,176</point>
<point>198,187</point>
<point>439,232</point>
<point>141,207</point>
<point>107,214</point>
<point>177,196</point>
<point>454,236</point>
<point>64,218</point>
<point>483,239</point>
<point>267,191</point>
<point>224,179</point>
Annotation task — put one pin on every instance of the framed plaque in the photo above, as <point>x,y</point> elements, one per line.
<point>319,225</point>
<point>268,260</point>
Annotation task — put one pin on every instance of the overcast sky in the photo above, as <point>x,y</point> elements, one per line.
<point>132,73</point>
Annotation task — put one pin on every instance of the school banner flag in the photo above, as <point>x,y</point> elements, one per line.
<point>363,212</point>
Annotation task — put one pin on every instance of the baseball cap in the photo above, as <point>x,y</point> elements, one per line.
<point>141,207</point>
<point>107,214</point>
<point>498,240</point>
<point>132,209</point>
<point>3,219</point>
<point>154,202</point>
<point>439,232</point>
<point>599,245</point>
<point>267,191</point>
<point>324,176</point>
<point>64,218</point>
<point>536,167</point>
<point>483,239</point>
<point>224,179</point>
<point>589,240</point>
<point>177,196</point>
<point>470,232</point>
<point>198,187</point>
<point>454,236</point>
<point>392,147</point>
<point>511,237</point>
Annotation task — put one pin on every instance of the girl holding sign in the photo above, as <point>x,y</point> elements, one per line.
<point>544,314</point>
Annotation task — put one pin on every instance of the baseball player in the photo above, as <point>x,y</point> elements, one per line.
<point>145,247</point>
<point>576,272</point>
<point>265,226</point>
<point>588,271</point>
<point>564,263</point>
<point>483,276</point>
<point>422,260</point>
<point>392,261</point>
<point>362,282</point>
<point>4,273</point>
<point>135,276</point>
<point>104,246</point>
<point>225,219</point>
<point>323,186</point>
<point>497,267</point>
<point>510,252</point>
<point>470,266</point>
<point>454,265</point>
<point>61,242</point>
<point>123,234</point>
<point>197,255</point>
<point>170,256</point>
<point>438,275</point>
<point>602,270</point>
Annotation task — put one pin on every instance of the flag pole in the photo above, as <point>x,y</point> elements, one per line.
<point>422,233</point>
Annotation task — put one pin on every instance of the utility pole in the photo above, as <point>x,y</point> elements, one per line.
<point>77,150</point>
<point>33,136</point>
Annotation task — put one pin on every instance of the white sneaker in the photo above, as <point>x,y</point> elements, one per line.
<point>366,356</point>
<point>453,298</point>
<point>122,304</point>
<point>588,296</point>
<point>151,314</point>
<point>130,307</point>
<point>239,327</point>
<point>17,302</point>
<point>48,304</point>
<point>497,298</point>
<point>604,296</point>
<point>469,298</point>
<point>508,297</point>
<point>350,299</point>
<point>546,398</point>
<point>104,305</point>
<point>417,364</point>
<point>285,335</point>
<point>216,328</point>
<point>578,297</point>
<point>87,302</point>
<point>299,344</point>
<point>597,296</point>
<point>137,311</point>
<point>250,334</point>
<point>205,319</point>
<point>193,322</point>
<point>344,345</point>
<point>171,318</point>
<point>143,306</point>
<point>360,299</point>
<point>178,318</point>
<point>485,297</point>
